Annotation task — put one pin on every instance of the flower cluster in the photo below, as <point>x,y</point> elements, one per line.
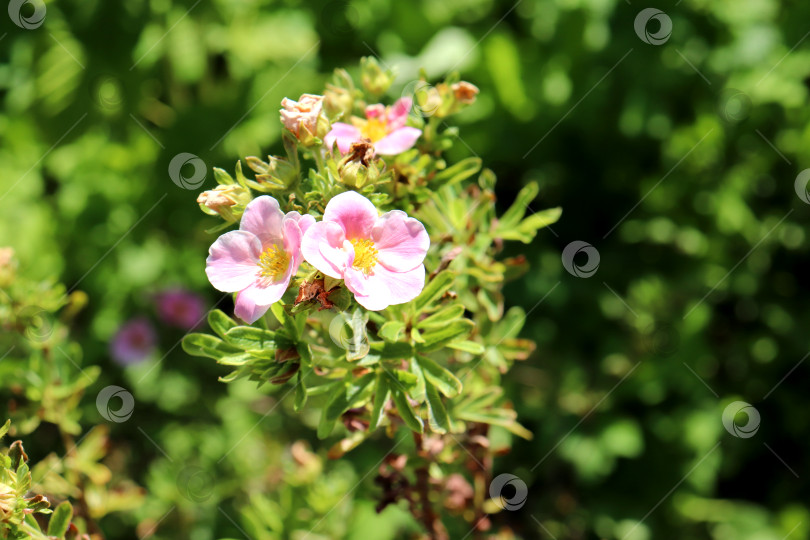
<point>379,257</point>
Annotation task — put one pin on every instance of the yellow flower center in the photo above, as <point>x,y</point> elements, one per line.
<point>365,255</point>
<point>273,262</point>
<point>375,129</point>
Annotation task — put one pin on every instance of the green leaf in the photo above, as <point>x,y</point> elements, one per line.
<point>219,322</point>
<point>406,411</point>
<point>392,351</point>
<point>436,339</point>
<point>300,393</point>
<point>437,414</point>
<point>471,347</point>
<point>498,417</point>
<point>60,520</point>
<point>442,317</point>
<point>447,383</point>
<point>381,396</point>
<point>457,173</point>
<point>391,331</point>
<point>5,428</point>
<point>209,346</point>
<point>248,337</point>
<point>527,229</point>
<point>515,213</point>
<point>239,359</point>
<point>344,396</point>
<point>222,177</point>
<point>434,290</point>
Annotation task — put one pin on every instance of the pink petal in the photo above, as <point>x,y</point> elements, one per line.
<point>401,241</point>
<point>292,241</point>
<point>232,262</point>
<point>247,310</point>
<point>263,293</point>
<point>344,134</point>
<point>304,221</point>
<point>322,248</point>
<point>385,288</point>
<point>397,141</point>
<point>355,214</point>
<point>263,217</point>
<point>398,113</point>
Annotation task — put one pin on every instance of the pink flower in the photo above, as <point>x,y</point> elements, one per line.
<point>133,342</point>
<point>378,257</point>
<point>301,117</point>
<point>181,308</point>
<point>384,126</point>
<point>259,259</point>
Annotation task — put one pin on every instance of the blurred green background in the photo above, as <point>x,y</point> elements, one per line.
<point>674,156</point>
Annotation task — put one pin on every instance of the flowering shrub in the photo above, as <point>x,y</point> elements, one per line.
<point>381,265</point>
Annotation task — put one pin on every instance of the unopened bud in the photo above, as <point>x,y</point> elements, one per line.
<point>303,119</point>
<point>337,102</point>
<point>375,80</point>
<point>358,168</point>
<point>465,92</point>
<point>227,201</point>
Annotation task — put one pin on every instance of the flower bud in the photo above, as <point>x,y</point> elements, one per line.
<point>227,201</point>
<point>337,102</point>
<point>464,92</point>
<point>358,168</point>
<point>375,80</point>
<point>303,119</point>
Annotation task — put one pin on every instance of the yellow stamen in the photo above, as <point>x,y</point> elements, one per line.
<point>365,255</point>
<point>273,262</point>
<point>375,129</point>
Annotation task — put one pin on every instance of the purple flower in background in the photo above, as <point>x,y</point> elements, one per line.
<point>133,342</point>
<point>181,308</point>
